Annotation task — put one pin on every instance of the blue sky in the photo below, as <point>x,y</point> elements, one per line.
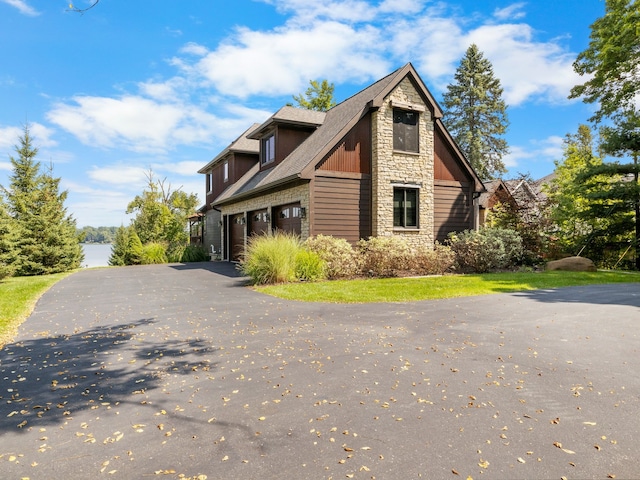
<point>135,85</point>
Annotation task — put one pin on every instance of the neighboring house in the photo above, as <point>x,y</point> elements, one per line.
<point>496,193</point>
<point>380,163</point>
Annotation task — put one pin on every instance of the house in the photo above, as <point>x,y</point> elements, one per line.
<point>496,193</point>
<point>379,163</point>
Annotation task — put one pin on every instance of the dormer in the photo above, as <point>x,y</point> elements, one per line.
<point>230,165</point>
<point>283,132</point>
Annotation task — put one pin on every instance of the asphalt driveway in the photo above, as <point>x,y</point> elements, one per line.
<point>182,372</point>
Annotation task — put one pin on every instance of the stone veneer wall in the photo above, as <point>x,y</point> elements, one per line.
<point>391,167</point>
<point>212,229</point>
<point>299,193</point>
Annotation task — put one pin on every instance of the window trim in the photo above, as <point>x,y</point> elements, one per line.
<point>404,188</point>
<point>268,145</point>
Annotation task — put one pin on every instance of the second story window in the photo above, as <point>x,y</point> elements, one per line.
<point>209,182</point>
<point>405,130</point>
<point>268,149</point>
<point>225,169</point>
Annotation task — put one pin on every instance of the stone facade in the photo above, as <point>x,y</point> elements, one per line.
<point>212,231</point>
<point>394,168</point>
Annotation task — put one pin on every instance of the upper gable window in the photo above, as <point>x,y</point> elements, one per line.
<point>268,149</point>
<point>405,130</point>
<point>225,168</point>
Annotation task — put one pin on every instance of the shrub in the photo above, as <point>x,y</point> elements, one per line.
<point>341,260</point>
<point>433,261</point>
<point>153,253</point>
<point>486,249</point>
<point>194,253</point>
<point>383,256</point>
<point>271,258</point>
<point>309,266</point>
<point>6,270</point>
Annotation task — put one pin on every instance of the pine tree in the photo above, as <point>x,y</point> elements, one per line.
<point>475,114</point>
<point>47,239</point>
<point>8,243</point>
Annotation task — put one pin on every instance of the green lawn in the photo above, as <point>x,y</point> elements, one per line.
<point>448,286</point>
<point>18,296</point>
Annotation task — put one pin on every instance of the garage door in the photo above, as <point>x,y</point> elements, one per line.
<point>236,234</point>
<point>259,222</point>
<point>287,218</point>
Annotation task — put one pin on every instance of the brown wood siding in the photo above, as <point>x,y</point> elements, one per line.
<point>287,140</point>
<point>342,207</point>
<point>353,153</point>
<point>241,164</point>
<point>453,209</point>
<point>447,164</point>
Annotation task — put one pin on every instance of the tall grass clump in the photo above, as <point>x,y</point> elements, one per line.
<point>271,258</point>
<point>340,257</point>
<point>309,266</point>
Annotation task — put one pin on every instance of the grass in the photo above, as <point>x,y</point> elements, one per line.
<point>18,297</point>
<point>431,288</point>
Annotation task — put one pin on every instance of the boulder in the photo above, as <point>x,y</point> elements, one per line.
<point>572,264</point>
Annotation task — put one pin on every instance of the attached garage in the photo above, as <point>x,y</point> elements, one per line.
<point>236,236</point>
<point>287,218</point>
<point>259,223</point>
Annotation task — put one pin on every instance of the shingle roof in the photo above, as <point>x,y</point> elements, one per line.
<point>289,115</point>
<point>337,123</point>
<point>242,144</point>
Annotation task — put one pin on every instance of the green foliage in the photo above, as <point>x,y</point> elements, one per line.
<point>475,114</point>
<point>590,209</point>
<point>486,249</point>
<point>319,96</point>
<point>383,256</point>
<point>98,234</point>
<point>194,253</point>
<point>47,241</point>
<point>127,248</point>
<point>153,253</point>
<point>340,258</point>
<point>161,215</point>
<point>310,267</point>
<point>611,61</point>
<point>271,258</point>
<point>8,244</point>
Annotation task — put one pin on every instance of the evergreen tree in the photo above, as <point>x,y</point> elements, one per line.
<point>47,239</point>
<point>319,96</point>
<point>119,248</point>
<point>475,114</point>
<point>8,243</point>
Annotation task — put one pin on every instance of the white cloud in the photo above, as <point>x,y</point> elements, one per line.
<point>23,7</point>
<point>41,137</point>
<point>511,12</point>
<point>125,176</point>
<point>282,61</point>
<point>344,10</point>
<point>545,151</point>
<point>526,68</point>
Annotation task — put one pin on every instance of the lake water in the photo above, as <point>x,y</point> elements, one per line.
<point>96,254</point>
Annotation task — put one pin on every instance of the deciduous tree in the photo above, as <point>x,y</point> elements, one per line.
<point>319,96</point>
